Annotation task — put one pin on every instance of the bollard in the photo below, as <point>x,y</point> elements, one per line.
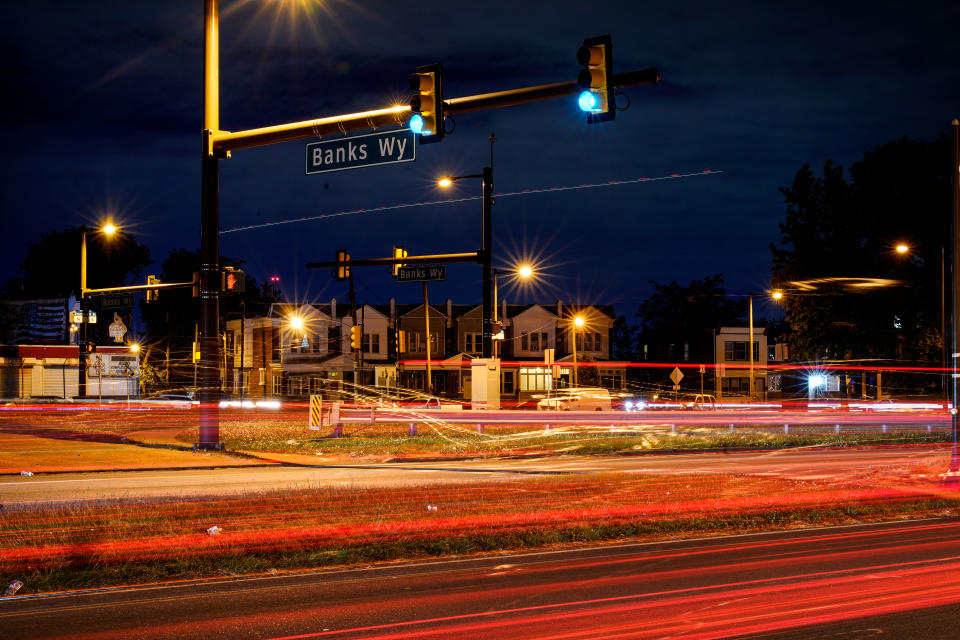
<point>732,428</point>
<point>673,428</point>
<point>883,428</point>
<point>413,429</point>
<point>836,428</point>
<point>786,429</point>
<point>929,428</point>
<point>479,428</point>
<point>546,427</point>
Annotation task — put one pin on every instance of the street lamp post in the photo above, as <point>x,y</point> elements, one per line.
<point>107,229</point>
<point>523,272</point>
<point>577,324</point>
<point>486,254</point>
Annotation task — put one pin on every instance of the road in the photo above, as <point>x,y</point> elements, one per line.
<point>896,580</point>
<point>789,463</point>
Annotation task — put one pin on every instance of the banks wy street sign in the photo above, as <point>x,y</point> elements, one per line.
<point>423,272</point>
<point>355,152</point>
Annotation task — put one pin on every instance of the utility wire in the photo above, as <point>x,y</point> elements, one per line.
<point>524,192</point>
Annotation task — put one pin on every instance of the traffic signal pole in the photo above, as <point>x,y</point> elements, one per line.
<point>208,382</point>
<point>953,473</point>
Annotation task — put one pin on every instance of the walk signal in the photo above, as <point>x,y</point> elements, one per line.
<point>356,336</point>
<point>342,272</point>
<point>398,252</point>
<point>596,78</point>
<point>152,294</point>
<point>233,280</point>
<point>426,103</point>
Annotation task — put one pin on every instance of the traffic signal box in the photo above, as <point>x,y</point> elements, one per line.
<point>342,271</point>
<point>196,284</point>
<point>397,343</point>
<point>596,78</point>
<point>398,252</point>
<point>356,336</point>
<point>426,103</point>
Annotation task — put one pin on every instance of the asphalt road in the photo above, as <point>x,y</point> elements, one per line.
<point>893,580</point>
<point>789,463</point>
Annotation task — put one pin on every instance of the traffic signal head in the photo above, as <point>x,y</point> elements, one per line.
<point>152,294</point>
<point>596,78</point>
<point>356,336</point>
<point>196,284</point>
<point>91,347</point>
<point>426,103</point>
<point>342,271</point>
<point>233,280</point>
<point>398,252</point>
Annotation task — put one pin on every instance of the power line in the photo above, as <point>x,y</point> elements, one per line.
<point>524,192</point>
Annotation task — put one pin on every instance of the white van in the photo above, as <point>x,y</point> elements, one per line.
<point>578,399</point>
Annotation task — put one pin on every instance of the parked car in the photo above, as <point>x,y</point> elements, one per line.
<point>577,399</point>
<point>703,401</point>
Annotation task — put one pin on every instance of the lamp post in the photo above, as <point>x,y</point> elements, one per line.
<point>578,323</point>
<point>108,230</point>
<point>486,253</point>
<point>523,272</point>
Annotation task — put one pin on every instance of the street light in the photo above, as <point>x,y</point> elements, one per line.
<point>522,272</point>
<point>578,323</point>
<point>107,229</point>
<point>486,252</point>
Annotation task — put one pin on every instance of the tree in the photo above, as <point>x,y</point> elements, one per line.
<point>846,226</point>
<point>51,268</point>
<point>623,340</point>
<point>676,320</point>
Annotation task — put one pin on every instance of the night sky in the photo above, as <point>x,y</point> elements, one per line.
<point>103,114</point>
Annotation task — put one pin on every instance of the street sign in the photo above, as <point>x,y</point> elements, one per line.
<point>676,387</point>
<point>76,317</point>
<point>422,272</point>
<point>115,300</point>
<point>355,152</point>
<point>676,375</point>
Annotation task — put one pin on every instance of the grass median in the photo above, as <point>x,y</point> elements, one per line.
<point>127,542</point>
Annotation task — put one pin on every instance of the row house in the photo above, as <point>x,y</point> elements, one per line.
<point>296,350</point>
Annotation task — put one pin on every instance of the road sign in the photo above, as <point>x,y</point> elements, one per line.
<point>76,317</point>
<point>676,375</point>
<point>676,387</point>
<point>115,300</point>
<point>422,272</point>
<point>355,152</point>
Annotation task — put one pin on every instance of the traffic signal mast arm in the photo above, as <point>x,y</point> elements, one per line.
<point>222,142</point>
<point>369,262</point>
<point>141,287</point>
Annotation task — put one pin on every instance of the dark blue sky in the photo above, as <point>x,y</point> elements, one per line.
<point>103,113</point>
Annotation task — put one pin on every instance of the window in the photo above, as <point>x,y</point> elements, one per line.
<point>472,343</point>
<point>263,376</point>
<point>371,343</point>
<point>415,342</point>
<point>534,342</point>
<point>508,382</point>
<point>525,342</point>
<point>536,378</point>
<point>277,385</point>
<point>771,352</point>
<point>738,350</point>
<point>597,341</point>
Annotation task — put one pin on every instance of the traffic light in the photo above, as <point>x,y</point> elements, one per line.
<point>91,347</point>
<point>152,294</point>
<point>196,284</point>
<point>233,280</point>
<point>398,252</point>
<point>426,103</point>
<point>342,272</point>
<point>596,78</point>
<point>356,336</point>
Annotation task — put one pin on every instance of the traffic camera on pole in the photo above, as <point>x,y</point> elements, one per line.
<point>426,103</point>
<point>398,252</point>
<point>596,78</point>
<point>342,271</point>
<point>356,336</point>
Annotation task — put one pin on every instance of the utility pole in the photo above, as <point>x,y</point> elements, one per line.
<point>487,262</point>
<point>427,383</point>
<point>953,474</point>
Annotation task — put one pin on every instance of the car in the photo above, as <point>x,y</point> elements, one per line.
<point>577,399</point>
<point>704,401</point>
